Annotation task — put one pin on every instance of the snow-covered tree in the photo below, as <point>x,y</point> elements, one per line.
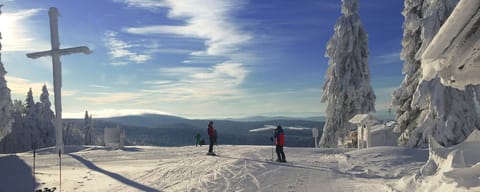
<point>89,135</point>
<point>429,108</point>
<point>44,120</point>
<point>347,89</point>
<point>402,96</point>
<point>33,127</point>
<point>6,119</point>
<point>29,102</point>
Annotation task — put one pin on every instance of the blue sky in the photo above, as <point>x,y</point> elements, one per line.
<point>193,58</point>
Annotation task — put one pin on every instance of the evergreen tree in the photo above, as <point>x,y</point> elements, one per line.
<point>6,119</point>
<point>88,124</point>
<point>411,42</point>
<point>29,102</point>
<point>428,108</point>
<point>347,89</point>
<point>9,144</point>
<point>45,119</point>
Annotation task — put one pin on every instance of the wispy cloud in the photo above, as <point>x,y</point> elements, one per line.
<point>122,50</point>
<point>108,98</point>
<point>16,35</point>
<point>211,21</point>
<point>20,86</point>
<point>208,19</point>
<point>105,113</point>
<point>216,83</point>
<point>388,58</point>
<point>98,86</point>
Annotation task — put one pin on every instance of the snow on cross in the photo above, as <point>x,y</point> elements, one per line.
<point>55,53</point>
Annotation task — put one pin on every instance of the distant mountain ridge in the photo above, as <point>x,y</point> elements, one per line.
<point>268,118</point>
<point>167,130</point>
<point>158,120</point>
<point>146,120</point>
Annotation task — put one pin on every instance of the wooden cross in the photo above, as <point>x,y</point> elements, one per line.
<point>55,53</point>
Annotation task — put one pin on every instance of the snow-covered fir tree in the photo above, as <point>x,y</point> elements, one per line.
<point>6,119</point>
<point>44,120</point>
<point>32,127</point>
<point>89,135</point>
<point>347,88</point>
<point>428,108</point>
<point>411,42</point>
<point>9,144</point>
<point>24,134</point>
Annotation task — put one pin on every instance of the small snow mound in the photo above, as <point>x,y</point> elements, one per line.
<point>455,168</point>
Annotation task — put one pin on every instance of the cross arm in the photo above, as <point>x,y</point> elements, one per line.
<point>66,51</point>
<point>39,54</point>
<point>81,49</point>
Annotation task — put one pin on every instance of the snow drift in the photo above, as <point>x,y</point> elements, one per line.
<point>455,168</point>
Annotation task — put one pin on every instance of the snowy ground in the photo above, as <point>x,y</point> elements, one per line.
<point>238,168</point>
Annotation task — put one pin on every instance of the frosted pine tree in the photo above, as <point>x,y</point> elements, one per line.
<point>45,119</point>
<point>6,118</point>
<point>411,42</point>
<point>30,132</point>
<point>429,108</point>
<point>347,89</point>
<point>88,122</point>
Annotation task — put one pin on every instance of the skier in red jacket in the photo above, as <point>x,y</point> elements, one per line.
<point>279,141</point>
<point>212,135</point>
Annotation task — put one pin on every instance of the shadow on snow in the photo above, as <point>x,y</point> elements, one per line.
<point>16,175</point>
<point>115,176</point>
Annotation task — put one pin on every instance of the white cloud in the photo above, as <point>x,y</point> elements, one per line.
<point>99,86</point>
<point>207,19</point>
<point>109,98</point>
<point>122,50</point>
<point>16,34</point>
<point>105,113</point>
<point>161,82</point>
<point>195,83</point>
<point>388,58</point>
<point>20,86</point>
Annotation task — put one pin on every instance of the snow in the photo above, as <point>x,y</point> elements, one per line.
<point>247,168</point>
<point>456,168</point>
<point>454,52</point>
<point>238,168</point>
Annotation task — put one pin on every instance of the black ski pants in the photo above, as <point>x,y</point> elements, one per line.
<point>280,153</point>
<point>210,147</point>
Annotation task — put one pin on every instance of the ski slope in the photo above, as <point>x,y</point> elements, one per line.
<point>237,168</point>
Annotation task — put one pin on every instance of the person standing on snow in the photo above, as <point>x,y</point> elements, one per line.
<point>197,139</point>
<point>212,135</point>
<point>279,141</point>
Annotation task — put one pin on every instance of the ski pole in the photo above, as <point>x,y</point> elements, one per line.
<point>60,159</point>
<point>272,146</point>
<point>33,183</point>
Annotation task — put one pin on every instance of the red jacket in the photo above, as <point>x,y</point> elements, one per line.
<point>279,137</point>
<point>211,131</point>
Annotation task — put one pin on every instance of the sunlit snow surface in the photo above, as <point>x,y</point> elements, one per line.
<point>238,168</point>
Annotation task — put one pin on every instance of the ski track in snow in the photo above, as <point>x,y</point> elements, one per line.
<point>237,168</point>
